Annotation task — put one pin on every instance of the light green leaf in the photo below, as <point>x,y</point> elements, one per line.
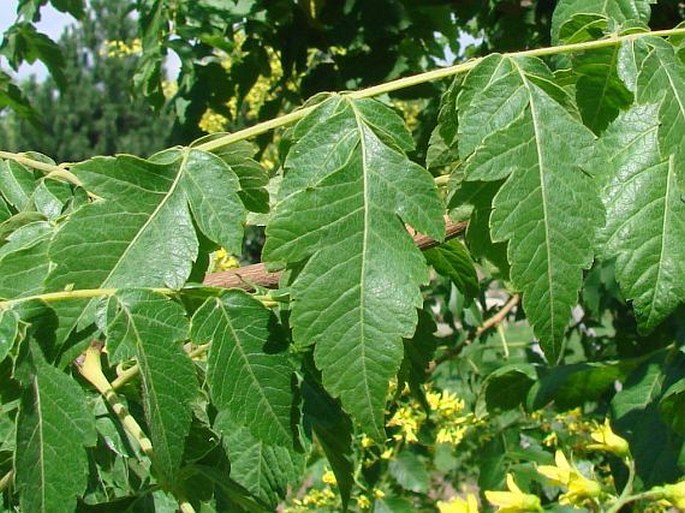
<point>153,328</point>
<point>24,260</point>
<point>16,184</point>
<point>247,378</point>
<point>346,191</point>
<point>263,469</point>
<point>140,233</point>
<point>252,176</point>
<point>661,80</point>
<point>53,426</point>
<point>548,208</point>
<point>645,226</point>
<point>9,331</point>
<point>618,10</point>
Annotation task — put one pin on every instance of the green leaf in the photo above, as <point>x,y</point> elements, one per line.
<point>645,225</point>
<point>23,43</point>
<point>16,184</point>
<point>570,386</point>
<point>346,191</point>
<point>145,206</point>
<point>393,505</point>
<point>583,27</point>
<point>661,80</point>
<point>636,410</point>
<point>600,93</point>
<point>516,379</point>
<point>153,328</point>
<point>540,148</point>
<point>53,426</point>
<point>453,260</point>
<point>24,260</point>
<point>265,470</point>
<point>672,406</point>
<point>9,331</point>
<point>333,430</point>
<point>618,10</point>
<point>252,176</point>
<point>247,378</point>
<point>409,470</point>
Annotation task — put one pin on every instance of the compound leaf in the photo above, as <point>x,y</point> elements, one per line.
<point>645,226</point>
<point>548,208</point>
<point>53,426</point>
<point>348,186</point>
<point>246,379</point>
<point>153,328</point>
<point>145,206</point>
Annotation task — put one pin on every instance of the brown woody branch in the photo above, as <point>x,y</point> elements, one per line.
<point>487,324</point>
<point>256,274</point>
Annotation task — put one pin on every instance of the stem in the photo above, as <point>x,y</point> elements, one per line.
<point>35,164</point>
<point>134,370</point>
<point>91,369</point>
<point>625,496</point>
<point>489,323</point>
<point>52,297</point>
<point>427,76</point>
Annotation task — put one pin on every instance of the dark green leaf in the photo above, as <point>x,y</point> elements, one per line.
<point>265,470</point>
<point>645,225</point>
<point>453,260</point>
<point>521,133</point>
<point>346,191</point>
<point>333,430</point>
<point>247,378</point>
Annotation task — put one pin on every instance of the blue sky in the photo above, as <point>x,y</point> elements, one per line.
<point>52,23</point>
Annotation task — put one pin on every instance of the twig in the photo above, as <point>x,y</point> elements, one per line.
<point>489,323</point>
<point>256,274</point>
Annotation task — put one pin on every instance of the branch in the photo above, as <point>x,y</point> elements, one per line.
<point>489,323</point>
<point>256,274</point>
<point>428,76</point>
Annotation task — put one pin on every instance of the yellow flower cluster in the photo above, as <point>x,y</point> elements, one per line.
<point>212,122</point>
<point>222,260</point>
<point>315,498</point>
<point>408,419</point>
<point>121,48</point>
<point>447,408</point>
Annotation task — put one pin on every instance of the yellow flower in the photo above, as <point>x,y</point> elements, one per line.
<point>363,502</point>
<point>408,421</point>
<point>608,441</point>
<point>329,478</point>
<point>675,494</point>
<point>367,442</point>
<point>387,454</point>
<point>459,505</point>
<point>564,474</point>
<point>378,493</point>
<point>513,501</point>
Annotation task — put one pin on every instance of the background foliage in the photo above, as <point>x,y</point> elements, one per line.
<point>538,351</point>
